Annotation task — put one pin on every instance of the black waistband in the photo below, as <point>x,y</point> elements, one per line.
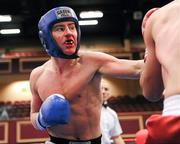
<point>66,141</point>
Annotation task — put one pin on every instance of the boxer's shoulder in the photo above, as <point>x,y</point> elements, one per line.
<point>36,72</point>
<point>91,55</point>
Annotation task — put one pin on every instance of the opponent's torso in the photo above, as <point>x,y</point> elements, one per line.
<point>80,85</point>
<point>166,33</point>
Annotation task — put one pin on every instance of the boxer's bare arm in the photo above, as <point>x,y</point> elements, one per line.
<point>120,68</point>
<point>151,78</point>
<point>36,101</point>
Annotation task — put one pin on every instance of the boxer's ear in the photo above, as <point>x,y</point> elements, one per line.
<point>146,17</point>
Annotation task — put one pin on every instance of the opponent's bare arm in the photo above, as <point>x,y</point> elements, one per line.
<point>36,101</point>
<point>120,68</point>
<point>151,79</point>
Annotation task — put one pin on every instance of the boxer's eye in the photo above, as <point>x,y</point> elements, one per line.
<point>72,27</point>
<point>58,28</point>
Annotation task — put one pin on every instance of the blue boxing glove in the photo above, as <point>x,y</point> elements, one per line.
<point>54,110</point>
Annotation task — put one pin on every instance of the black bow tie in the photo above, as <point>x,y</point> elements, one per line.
<point>105,104</point>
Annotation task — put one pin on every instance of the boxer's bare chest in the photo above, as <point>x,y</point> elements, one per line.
<point>70,83</point>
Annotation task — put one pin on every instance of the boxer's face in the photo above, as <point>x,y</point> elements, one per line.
<point>65,35</point>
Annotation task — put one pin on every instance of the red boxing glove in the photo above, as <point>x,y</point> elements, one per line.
<point>146,16</point>
<point>141,136</point>
<point>163,129</point>
<point>160,130</point>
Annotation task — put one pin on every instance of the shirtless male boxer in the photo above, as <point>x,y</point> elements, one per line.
<point>161,74</point>
<point>66,96</point>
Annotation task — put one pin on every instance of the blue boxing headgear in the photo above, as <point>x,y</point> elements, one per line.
<point>45,25</point>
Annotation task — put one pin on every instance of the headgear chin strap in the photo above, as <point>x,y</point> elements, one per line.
<point>45,24</point>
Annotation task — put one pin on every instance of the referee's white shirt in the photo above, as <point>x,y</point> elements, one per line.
<point>110,125</point>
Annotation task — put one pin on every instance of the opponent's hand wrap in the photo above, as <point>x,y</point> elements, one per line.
<point>54,110</point>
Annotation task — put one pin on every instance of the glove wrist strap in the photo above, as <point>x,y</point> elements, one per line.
<point>39,124</point>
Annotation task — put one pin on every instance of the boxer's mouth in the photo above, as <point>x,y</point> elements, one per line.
<point>69,42</point>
